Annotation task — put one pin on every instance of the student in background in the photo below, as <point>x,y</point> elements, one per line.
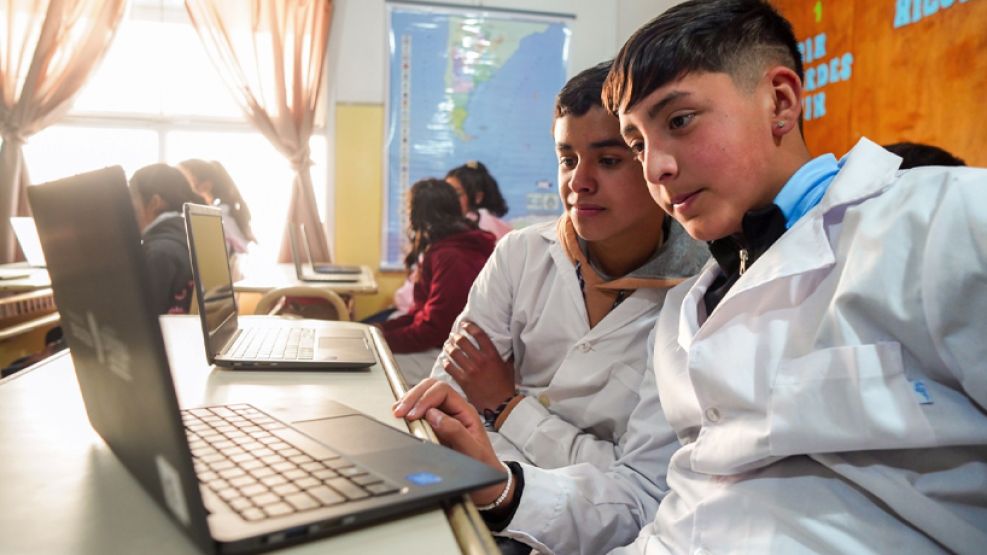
<point>447,252</point>
<point>480,197</point>
<point>480,200</point>
<point>826,378</point>
<point>561,315</point>
<point>158,192</point>
<point>211,180</point>
<point>914,155</point>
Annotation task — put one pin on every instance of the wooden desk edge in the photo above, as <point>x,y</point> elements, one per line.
<point>467,525</point>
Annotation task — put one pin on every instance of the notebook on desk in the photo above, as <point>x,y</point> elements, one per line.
<point>258,342</point>
<point>233,478</point>
<point>306,270</point>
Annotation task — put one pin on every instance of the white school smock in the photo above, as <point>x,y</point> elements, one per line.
<point>582,389</point>
<point>836,399</point>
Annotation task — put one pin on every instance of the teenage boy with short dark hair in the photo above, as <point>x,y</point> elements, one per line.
<point>827,376</point>
<point>561,314</point>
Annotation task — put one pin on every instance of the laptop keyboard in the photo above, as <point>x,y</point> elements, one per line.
<point>274,344</point>
<point>263,468</point>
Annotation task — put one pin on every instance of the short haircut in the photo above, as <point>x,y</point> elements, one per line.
<point>736,37</point>
<point>914,155</point>
<point>582,92</point>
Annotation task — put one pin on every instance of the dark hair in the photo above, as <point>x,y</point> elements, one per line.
<point>433,214</point>
<point>737,37</point>
<point>475,178</point>
<point>914,155</point>
<point>168,183</point>
<point>582,92</point>
<point>223,189</point>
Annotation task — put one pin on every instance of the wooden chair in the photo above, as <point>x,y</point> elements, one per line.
<point>303,301</point>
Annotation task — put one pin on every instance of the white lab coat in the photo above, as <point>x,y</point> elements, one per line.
<point>590,395</point>
<point>834,401</point>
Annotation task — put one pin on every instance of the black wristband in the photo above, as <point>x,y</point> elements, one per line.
<point>506,514</point>
<point>490,416</point>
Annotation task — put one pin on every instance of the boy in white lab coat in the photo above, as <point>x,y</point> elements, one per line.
<point>561,314</point>
<point>826,377</point>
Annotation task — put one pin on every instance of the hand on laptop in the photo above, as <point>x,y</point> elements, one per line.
<point>486,378</point>
<point>457,425</point>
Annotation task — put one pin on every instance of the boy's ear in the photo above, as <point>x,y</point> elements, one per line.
<point>786,90</point>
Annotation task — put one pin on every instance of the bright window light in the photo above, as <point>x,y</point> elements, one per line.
<point>157,98</point>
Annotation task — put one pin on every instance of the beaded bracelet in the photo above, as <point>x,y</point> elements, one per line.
<point>503,495</point>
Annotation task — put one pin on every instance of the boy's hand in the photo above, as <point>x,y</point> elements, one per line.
<point>486,379</point>
<point>455,422</point>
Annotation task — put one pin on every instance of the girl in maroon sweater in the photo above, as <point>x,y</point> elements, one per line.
<point>451,250</point>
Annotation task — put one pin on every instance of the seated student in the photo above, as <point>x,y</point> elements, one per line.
<point>158,192</point>
<point>451,251</point>
<point>480,200</point>
<point>480,196</point>
<point>561,314</point>
<point>214,184</point>
<point>914,155</point>
<point>825,378</point>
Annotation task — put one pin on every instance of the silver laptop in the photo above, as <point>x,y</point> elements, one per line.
<point>306,270</point>
<point>27,239</point>
<point>258,342</point>
<point>231,477</point>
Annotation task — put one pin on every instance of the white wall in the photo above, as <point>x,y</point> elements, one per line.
<point>358,56</point>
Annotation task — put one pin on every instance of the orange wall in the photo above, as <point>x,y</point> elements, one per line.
<point>902,75</point>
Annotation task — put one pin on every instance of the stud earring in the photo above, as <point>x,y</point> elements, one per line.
<point>780,124</point>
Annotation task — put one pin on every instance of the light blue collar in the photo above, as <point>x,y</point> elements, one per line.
<point>806,187</point>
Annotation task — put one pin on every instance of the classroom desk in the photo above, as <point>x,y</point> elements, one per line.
<point>263,279</point>
<point>63,491</point>
<point>38,279</point>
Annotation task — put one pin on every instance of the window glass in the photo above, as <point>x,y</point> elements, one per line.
<point>156,97</point>
<point>63,150</point>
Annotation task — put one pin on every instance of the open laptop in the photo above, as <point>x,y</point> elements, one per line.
<point>305,270</point>
<point>27,239</point>
<point>258,342</point>
<point>349,469</point>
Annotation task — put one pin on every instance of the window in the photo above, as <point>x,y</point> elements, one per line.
<point>156,98</point>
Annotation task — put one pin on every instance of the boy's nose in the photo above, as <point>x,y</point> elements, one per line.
<point>582,180</point>
<point>659,166</point>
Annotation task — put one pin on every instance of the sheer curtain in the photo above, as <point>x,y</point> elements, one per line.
<point>271,54</point>
<point>47,50</point>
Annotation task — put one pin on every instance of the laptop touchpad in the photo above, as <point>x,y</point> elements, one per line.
<point>355,434</point>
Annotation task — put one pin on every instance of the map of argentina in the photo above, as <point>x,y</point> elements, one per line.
<point>476,53</point>
<point>472,85</point>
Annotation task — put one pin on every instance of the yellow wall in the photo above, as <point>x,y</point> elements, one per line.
<point>359,198</point>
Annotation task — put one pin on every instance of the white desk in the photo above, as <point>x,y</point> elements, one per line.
<point>38,279</point>
<point>63,491</point>
<point>263,279</point>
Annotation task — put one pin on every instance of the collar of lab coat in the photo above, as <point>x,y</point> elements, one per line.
<point>639,303</point>
<point>867,171</point>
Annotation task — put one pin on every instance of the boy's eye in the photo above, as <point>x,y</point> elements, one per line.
<point>678,122</point>
<point>609,161</point>
<point>567,162</point>
<point>637,149</point>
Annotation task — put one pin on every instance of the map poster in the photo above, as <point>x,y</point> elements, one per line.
<point>471,84</point>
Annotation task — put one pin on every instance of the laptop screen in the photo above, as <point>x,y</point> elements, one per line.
<point>214,285</point>
<point>27,238</point>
